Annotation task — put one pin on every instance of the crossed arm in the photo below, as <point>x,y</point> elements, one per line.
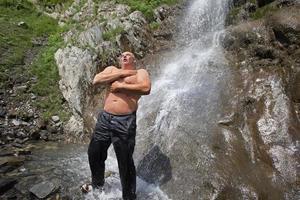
<point>112,74</point>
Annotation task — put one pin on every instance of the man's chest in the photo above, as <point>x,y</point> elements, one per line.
<point>129,79</point>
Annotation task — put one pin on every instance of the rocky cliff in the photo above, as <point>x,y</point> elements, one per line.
<point>262,45</point>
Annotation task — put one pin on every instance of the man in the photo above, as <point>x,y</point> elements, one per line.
<point>117,122</point>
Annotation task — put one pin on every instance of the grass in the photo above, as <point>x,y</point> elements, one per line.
<point>146,6</point>
<point>16,41</point>
<point>54,2</point>
<point>154,25</point>
<point>45,69</point>
<point>263,11</point>
<point>258,14</point>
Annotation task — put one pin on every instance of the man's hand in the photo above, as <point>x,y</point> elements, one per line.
<point>115,87</point>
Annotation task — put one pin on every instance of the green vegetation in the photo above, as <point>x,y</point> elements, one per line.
<point>154,25</point>
<point>234,13</point>
<point>45,69</point>
<point>112,33</point>
<point>263,11</point>
<point>16,39</point>
<point>54,2</point>
<point>146,6</point>
<point>15,45</point>
<point>258,14</point>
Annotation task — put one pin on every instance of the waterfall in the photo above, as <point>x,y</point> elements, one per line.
<point>189,87</point>
<point>186,101</point>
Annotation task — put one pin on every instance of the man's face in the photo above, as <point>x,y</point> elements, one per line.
<point>127,58</point>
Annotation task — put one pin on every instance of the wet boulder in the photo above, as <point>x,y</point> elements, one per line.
<point>6,184</point>
<point>44,189</point>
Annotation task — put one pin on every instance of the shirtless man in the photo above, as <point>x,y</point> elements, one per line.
<point>117,122</point>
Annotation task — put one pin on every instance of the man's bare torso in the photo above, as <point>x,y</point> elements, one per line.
<point>121,103</point>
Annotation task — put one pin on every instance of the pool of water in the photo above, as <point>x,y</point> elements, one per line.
<point>67,166</point>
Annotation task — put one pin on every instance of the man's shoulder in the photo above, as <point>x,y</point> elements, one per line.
<point>111,67</point>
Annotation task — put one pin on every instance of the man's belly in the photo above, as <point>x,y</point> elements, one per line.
<point>120,104</point>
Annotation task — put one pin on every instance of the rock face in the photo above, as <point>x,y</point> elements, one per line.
<point>265,120</point>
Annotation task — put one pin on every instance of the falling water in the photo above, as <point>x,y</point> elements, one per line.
<point>186,101</point>
<point>193,75</point>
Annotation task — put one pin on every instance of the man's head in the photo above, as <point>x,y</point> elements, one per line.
<point>127,60</point>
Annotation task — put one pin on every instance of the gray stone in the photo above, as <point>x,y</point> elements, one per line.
<point>23,24</point>
<point>44,135</point>
<point>2,113</point>
<point>55,119</point>
<point>74,126</point>
<point>122,10</point>
<point>17,144</point>
<point>51,128</point>
<point>161,12</point>
<point>16,122</point>
<point>113,24</point>
<point>91,37</point>
<point>227,121</point>
<point>23,152</point>
<point>6,184</point>
<point>43,189</point>
<point>34,134</point>
<point>11,163</point>
<point>76,69</point>
<point>33,96</point>
<point>21,134</point>
<point>137,17</point>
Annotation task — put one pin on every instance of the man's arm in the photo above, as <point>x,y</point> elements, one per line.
<point>110,74</point>
<point>142,87</point>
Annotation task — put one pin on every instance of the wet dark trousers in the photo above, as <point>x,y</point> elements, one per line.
<point>119,130</point>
